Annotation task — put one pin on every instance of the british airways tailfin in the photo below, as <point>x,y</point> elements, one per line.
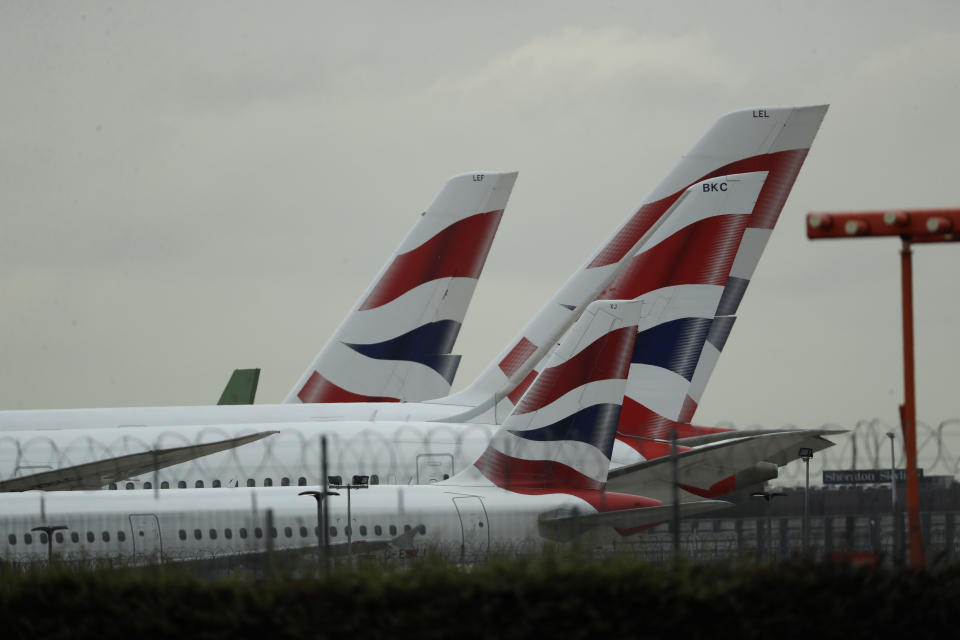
<point>560,436</point>
<point>772,140</point>
<point>396,343</point>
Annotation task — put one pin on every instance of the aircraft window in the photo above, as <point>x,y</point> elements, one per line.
<point>301,481</point>
<point>112,485</point>
<point>59,536</point>
<point>197,534</point>
<point>148,485</point>
<point>43,537</point>
<point>198,484</point>
<point>27,538</point>
<point>378,530</point>
<point>374,479</point>
<point>121,536</point>
<point>216,484</point>
<point>12,539</point>
<point>393,529</point>
<point>227,533</point>
<point>183,534</point>
<point>182,485</point>
<point>164,485</point>
<point>90,537</point>
<point>106,536</point>
<point>363,529</point>
<point>303,532</point>
<point>258,532</point>
<point>287,531</point>
<point>128,486</point>
<point>251,482</point>
<point>268,482</point>
<point>273,532</point>
<point>243,533</point>
<point>284,482</point>
<point>333,532</point>
<point>213,534</point>
<point>74,536</point>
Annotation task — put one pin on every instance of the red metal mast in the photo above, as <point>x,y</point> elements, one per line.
<point>912,226</point>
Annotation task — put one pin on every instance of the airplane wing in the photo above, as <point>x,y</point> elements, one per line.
<point>564,524</point>
<point>94,475</point>
<point>241,388</point>
<point>704,466</point>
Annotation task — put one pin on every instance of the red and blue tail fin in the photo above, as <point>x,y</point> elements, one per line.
<point>396,345</point>
<point>560,436</point>
<point>771,140</point>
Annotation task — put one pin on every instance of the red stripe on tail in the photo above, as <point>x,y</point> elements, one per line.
<point>319,389</point>
<point>459,251</point>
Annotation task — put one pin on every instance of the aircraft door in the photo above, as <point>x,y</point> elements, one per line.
<point>147,544</point>
<point>474,525</point>
<point>434,467</point>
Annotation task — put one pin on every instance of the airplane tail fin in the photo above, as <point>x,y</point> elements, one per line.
<point>560,435</point>
<point>772,140</point>
<point>396,343</point>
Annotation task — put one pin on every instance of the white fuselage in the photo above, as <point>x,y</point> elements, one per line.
<point>33,419</point>
<point>180,525</point>
<point>391,452</point>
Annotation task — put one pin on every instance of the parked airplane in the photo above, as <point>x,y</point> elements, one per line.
<point>708,223</point>
<point>774,141</point>
<point>541,478</point>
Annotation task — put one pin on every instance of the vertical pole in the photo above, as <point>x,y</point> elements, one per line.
<point>909,411</point>
<point>674,467</point>
<point>893,500</point>
<point>349,524</point>
<point>806,509</point>
<point>324,526</point>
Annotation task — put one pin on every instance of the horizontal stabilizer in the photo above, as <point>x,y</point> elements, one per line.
<point>94,475</point>
<point>564,524</point>
<point>706,465</point>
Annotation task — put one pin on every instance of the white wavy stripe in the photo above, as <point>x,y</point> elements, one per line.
<point>735,136</point>
<point>584,458</point>
<point>623,454</point>
<point>658,389</point>
<point>442,299</point>
<point>701,375</point>
<point>676,302</point>
<point>748,255</point>
<point>357,373</point>
<point>592,393</point>
<point>461,197</point>
<point>739,198</point>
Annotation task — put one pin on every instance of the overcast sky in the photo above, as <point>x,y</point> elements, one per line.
<point>188,188</point>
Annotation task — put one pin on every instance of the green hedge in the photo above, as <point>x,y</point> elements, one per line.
<point>553,598</point>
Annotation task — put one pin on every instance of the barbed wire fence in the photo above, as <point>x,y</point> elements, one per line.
<point>855,525</point>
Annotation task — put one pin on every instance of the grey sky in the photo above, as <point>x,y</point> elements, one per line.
<point>187,188</point>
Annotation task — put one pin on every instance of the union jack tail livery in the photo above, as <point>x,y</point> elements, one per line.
<point>559,438</point>
<point>772,140</point>
<point>395,346</point>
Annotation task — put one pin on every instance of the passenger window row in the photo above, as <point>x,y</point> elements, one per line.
<point>216,484</point>
<point>377,530</point>
<point>243,533</point>
<point>61,537</point>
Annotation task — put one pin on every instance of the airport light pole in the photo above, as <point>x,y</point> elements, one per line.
<point>47,529</point>
<point>767,496</point>
<point>893,498</point>
<point>806,453</point>
<point>359,482</point>
<point>911,226</point>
